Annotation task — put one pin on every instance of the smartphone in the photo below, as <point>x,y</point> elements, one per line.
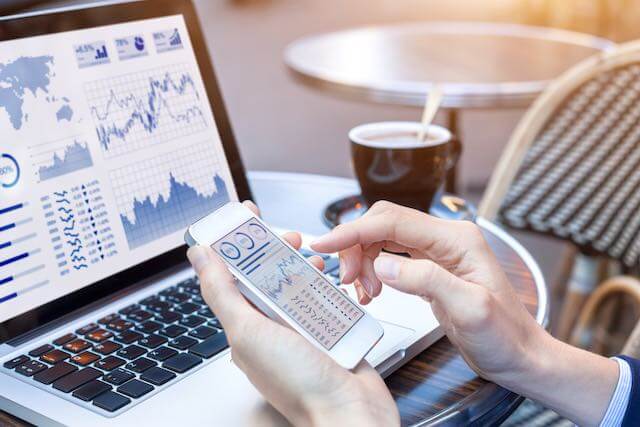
<point>281,283</point>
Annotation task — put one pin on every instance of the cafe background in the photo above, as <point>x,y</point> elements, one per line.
<point>282,125</point>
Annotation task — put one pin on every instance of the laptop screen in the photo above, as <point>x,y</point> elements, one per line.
<point>110,149</point>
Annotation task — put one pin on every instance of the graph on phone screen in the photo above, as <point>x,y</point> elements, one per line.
<point>287,280</point>
<point>167,193</point>
<point>134,111</point>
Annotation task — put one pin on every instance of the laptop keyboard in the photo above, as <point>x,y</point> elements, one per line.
<point>115,361</point>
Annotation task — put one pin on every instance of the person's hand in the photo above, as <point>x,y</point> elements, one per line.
<point>452,267</point>
<point>298,379</point>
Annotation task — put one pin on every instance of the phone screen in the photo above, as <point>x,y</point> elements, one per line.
<point>286,278</point>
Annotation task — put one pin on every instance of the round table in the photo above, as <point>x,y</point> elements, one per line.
<point>437,385</point>
<point>478,65</point>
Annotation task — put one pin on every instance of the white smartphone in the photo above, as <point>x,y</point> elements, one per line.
<point>285,286</point>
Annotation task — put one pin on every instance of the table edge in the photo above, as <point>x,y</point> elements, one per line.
<point>456,95</point>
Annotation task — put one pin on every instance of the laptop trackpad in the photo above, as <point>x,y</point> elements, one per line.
<point>391,342</point>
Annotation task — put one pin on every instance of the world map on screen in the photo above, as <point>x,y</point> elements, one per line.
<point>29,75</point>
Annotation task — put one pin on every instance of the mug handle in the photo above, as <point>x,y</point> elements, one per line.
<point>454,154</point>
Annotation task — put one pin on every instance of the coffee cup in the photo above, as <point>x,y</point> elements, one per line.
<point>392,163</point>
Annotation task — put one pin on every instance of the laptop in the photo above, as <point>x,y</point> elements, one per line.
<point>114,139</point>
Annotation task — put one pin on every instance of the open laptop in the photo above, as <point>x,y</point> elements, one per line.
<point>114,138</point>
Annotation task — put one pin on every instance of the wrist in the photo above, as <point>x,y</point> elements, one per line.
<point>357,408</point>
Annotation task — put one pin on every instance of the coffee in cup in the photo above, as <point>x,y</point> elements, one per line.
<point>392,164</point>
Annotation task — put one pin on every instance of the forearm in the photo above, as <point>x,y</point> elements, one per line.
<point>573,382</point>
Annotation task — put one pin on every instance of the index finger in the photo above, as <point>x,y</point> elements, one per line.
<point>409,228</point>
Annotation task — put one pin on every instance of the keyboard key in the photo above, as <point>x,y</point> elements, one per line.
<point>106,347</point>
<point>159,306</point>
<point>99,335</point>
<point>131,352</point>
<point>72,381</point>
<point>183,343</point>
<point>140,365</point>
<point>86,329</point>
<point>187,308</point>
<point>197,299</point>
<point>76,346</point>
<point>157,376</point>
<point>182,362</point>
<point>64,339</point>
<point>108,318</point>
<point>168,316</point>
<point>162,353</point>
<point>173,331</point>
<point>129,309</point>
<point>202,332</point>
<point>211,346</point>
<point>135,388</point>
<point>54,356</point>
<point>177,297</point>
<point>54,373</point>
<point>150,300</point>
<point>118,376</point>
<point>40,350</point>
<point>215,323</point>
<point>139,315</point>
<point>110,401</point>
<point>128,337</point>
<point>149,327</point>
<point>91,390</point>
<point>85,358</point>
<point>192,321</point>
<point>31,368</point>
<point>152,341</point>
<point>19,360</point>
<point>206,312</point>
<point>109,363</point>
<point>119,325</point>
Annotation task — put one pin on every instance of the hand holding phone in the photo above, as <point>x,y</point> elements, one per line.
<point>285,286</point>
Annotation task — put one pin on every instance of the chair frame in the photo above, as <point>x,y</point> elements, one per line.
<point>521,140</point>
<point>540,112</point>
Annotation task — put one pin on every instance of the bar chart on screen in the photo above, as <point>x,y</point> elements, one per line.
<point>164,194</point>
<point>21,270</point>
<point>138,110</point>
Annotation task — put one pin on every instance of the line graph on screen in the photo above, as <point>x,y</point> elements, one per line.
<point>137,110</point>
<point>60,157</point>
<point>164,194</point>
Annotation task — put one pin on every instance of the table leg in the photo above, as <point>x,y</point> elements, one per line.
<point>451,184</point>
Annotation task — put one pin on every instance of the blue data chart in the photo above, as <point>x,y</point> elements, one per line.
<point>61,157</point>
<point>167,193</point>
<point>79,227</point>
<point>137,110</point>
<point>21,269</point>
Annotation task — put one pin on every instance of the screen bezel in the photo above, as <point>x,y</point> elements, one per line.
<point>62,20</point>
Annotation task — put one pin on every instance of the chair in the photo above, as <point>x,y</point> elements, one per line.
<point>572,170</point>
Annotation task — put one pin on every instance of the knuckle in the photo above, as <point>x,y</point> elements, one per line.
<point>382,206</point>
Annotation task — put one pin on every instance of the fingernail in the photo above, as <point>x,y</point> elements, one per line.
<point>198,257</point>
<point>368,287</point>
<point>343,270</point>
<point>387,268</point>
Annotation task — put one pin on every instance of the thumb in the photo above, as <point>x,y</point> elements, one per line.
<point>420,277</point>
<point>219,288</point>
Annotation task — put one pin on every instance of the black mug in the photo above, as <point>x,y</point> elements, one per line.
<point>392,164</point>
